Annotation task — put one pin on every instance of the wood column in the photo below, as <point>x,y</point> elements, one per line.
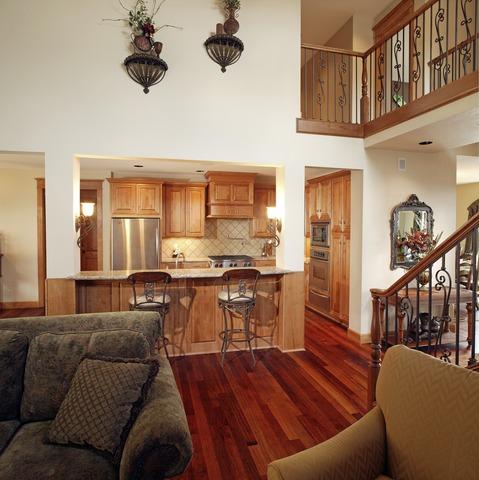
<point>364,93</point>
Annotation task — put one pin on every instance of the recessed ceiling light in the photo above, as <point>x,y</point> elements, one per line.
<point>138,166</point>
<point>200,171</point>
<point>425,142</point>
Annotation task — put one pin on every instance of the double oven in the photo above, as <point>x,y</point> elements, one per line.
<point>320,266</point>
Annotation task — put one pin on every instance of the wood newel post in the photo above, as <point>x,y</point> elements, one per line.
<point>375,363</point>
<point>364,93</point>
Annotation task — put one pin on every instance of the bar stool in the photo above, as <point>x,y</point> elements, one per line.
<point>152,298</point>
<point>238,299</point>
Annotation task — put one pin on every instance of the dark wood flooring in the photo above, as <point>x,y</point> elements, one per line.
<point>243,418</point>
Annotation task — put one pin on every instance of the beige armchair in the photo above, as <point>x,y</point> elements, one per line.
<point>425,426</point>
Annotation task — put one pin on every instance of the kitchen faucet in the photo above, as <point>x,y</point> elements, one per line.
<point>182,255</point>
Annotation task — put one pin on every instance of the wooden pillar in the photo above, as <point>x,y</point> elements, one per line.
<point>364,93</point>
<point>375,364</point>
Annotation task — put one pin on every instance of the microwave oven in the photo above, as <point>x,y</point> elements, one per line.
<point>320,232</point>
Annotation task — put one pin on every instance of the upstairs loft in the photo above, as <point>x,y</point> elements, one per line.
<point>423,62</point>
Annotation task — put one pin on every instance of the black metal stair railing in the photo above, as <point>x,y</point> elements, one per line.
<point>432,307</point>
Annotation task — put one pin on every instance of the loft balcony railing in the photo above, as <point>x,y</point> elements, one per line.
<point>439,319</point>
<point>431,59</point>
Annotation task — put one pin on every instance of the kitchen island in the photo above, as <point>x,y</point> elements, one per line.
<point>194,320</point>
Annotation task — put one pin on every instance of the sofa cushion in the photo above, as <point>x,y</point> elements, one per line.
<point>431,415</point>
<point>7,430</point>
<point>53,358</point>
<point>103,401</point>
<point>30,457</point>
<point>13,353</point>
<point>145,322</point>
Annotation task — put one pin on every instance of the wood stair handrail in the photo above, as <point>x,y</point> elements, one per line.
<point>430,259</point>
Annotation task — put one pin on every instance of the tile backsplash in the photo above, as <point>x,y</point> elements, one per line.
<point>222,237</point>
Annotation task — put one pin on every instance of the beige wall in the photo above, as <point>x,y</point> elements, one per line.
<point>343,38</point>
<point>465,195</point>
<point>18,234</point>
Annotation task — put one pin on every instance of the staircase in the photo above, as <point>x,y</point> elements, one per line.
<point>438,319</point>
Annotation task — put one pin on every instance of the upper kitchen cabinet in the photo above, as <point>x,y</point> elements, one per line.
<point>264,196</point>
<point>341,203</point>
<point>230,195</point>
<point>132,198</point>
<point>319,199</point>
<point>184,206</point>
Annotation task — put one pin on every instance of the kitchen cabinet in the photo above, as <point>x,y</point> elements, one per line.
<point>230,195</point>
<point>264,196</point>
<point>131,198</point>
<point>340,246</point>
<point>184,207</point>
<point>267,262</point>
<point>307,233</point>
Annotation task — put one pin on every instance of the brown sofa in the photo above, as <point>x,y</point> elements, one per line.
<point>425,426</point>
<point>38,358</point>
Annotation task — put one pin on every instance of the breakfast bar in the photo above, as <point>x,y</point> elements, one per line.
<point>194,320</point>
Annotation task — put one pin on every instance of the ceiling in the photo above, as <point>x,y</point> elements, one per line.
<point>321,19</point>
<point>450,132</point>
<point>467,169</point>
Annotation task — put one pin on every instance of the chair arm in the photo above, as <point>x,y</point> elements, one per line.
<point>159,443</point>
<point>357,453</point>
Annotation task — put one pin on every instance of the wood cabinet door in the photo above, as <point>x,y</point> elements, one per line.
<point>242,193</point>
<point>325,198</point>
<point>175,211</point>
<point>123,198</point>
<point>149,200</point>
<point>313,201</point>
<point>347,203</point>
<point>335,283</point>
<point>306,212</point>
<point>195,212</point>
<point>336,204</point>
<point>263,198</point>
<point>220,192</point>
<point>344,293</point>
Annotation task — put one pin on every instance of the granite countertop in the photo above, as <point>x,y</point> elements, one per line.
<point>175,273</point>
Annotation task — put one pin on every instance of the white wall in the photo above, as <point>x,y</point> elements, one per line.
<point>431,177</point>
<point>18,234</point>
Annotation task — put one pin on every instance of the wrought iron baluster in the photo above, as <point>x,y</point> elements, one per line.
<point>474,277</point>
<point>416,73</point>
<point>313,84</point>
<point>342,96</point>
<point>380,95</point>
<point>438,63</point>
<point>465,50</point>
<point>398,67</point>
<point>386,312</point>
<point>430,319</point>
<point>396,332</point>
<point>444,284</point>
<point>418,313</point>
<point>458,300</point>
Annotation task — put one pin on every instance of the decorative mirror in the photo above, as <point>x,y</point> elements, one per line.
<point>412,237</point>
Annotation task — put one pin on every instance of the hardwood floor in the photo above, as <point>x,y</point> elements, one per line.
<point>243,418</point>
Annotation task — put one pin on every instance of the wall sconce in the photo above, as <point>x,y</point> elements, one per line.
<point>83,221</point>
<point>274,225</point>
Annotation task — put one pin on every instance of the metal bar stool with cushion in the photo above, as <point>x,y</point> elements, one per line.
<point>238,299</point>
<point>154,297</point>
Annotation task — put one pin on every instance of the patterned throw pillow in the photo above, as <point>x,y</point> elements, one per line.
<point>102,403</point>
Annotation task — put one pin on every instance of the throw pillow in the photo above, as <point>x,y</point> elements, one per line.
<point>102,403</point>
<point>54,357</point>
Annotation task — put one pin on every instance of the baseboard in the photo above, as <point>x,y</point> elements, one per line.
<point>361,338</point>
<point>20,305</point>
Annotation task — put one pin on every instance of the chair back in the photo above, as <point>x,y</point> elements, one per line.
<point>431,416</point>
<point>241,283</point>
<point>149,285</point>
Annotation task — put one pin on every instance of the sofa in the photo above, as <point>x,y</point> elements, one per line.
<point>425,426</point>
<point>38,358</point>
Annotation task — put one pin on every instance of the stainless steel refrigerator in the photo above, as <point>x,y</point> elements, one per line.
<point>136,244</point>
